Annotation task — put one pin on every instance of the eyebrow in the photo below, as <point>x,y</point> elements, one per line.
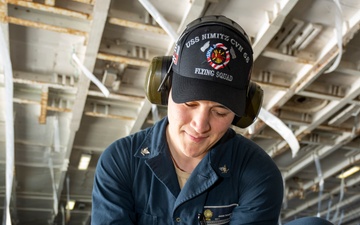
<point>221,106</point>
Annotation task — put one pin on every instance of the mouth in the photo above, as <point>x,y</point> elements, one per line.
<point>196,139</point>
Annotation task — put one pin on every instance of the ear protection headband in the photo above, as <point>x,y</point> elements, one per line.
<point>157,84</point>
<point>159,69</point>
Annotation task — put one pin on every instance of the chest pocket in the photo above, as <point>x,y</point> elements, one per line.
<point>218,214</point>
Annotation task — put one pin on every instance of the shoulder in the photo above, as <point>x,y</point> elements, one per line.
<point>245,146</point>
<point>255,166</point>
<point>128,146</point>
<point>250,158</point>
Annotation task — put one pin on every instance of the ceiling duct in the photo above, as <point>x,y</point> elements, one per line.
<point>305,104</point>
<point>110,79</point>
<point>306,35</point>
<point>344,115</point>
<point>295,35</point>
<point>287,33</point>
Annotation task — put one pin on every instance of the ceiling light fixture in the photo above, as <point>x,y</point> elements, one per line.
<point>84,161</point>
<point>70,205</point>
<point>349,172</point>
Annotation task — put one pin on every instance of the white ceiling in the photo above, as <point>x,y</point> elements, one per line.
<point>59,114</point>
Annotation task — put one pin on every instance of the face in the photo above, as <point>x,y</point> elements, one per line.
<point>194,127</point>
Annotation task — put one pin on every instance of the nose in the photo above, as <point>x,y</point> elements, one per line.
<point>201,120</point>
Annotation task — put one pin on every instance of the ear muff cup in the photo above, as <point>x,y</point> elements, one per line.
<point>159,68</point>
<point>254,101</point>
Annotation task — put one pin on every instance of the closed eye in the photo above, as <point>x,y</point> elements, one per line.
<point>218,110</point>
<point>191,104</point>
<point>220,113</point>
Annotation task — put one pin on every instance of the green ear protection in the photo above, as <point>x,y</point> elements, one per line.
<point>158,92</point>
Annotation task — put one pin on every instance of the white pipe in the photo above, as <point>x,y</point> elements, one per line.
<point>160,19</point>
<point>56,141</point>
<point>321,182</point>
<point>55,198</point>
<point>9,124</point>
<point>339,31</point>
<point>277,125</point>
<point>91,76</point>
<point>327,195</point>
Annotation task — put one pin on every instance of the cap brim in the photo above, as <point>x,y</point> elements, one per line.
<point>186,89</point>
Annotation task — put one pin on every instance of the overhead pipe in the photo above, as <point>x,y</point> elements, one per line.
<point>304,162</point>
<point>343,164</point>
<point>314,201</point>
<point>350,200</point>
<point>9,124</point>
<point>331,172</point>
<point>160,19</point>
<point>339,31</point>
<point>321,182</point>
<point>91,76</point>
<point>55,198</point>
<point>276,124</point>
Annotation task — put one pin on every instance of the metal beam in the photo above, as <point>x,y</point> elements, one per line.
<point>100,14</point>
<point>44,26</point>
<point>135,25</point>
<point>272,26</point>
<point>50,8</point>
<point>123,59</point>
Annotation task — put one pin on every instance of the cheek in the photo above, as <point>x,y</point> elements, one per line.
<point>222,125</point>
<point>178,114</point>
<point>174,112</point>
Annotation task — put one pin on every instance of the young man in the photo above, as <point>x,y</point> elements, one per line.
<point>191,167</point>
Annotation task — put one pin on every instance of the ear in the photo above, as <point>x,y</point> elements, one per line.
<point>157,72</point>
<point>254,99</point>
